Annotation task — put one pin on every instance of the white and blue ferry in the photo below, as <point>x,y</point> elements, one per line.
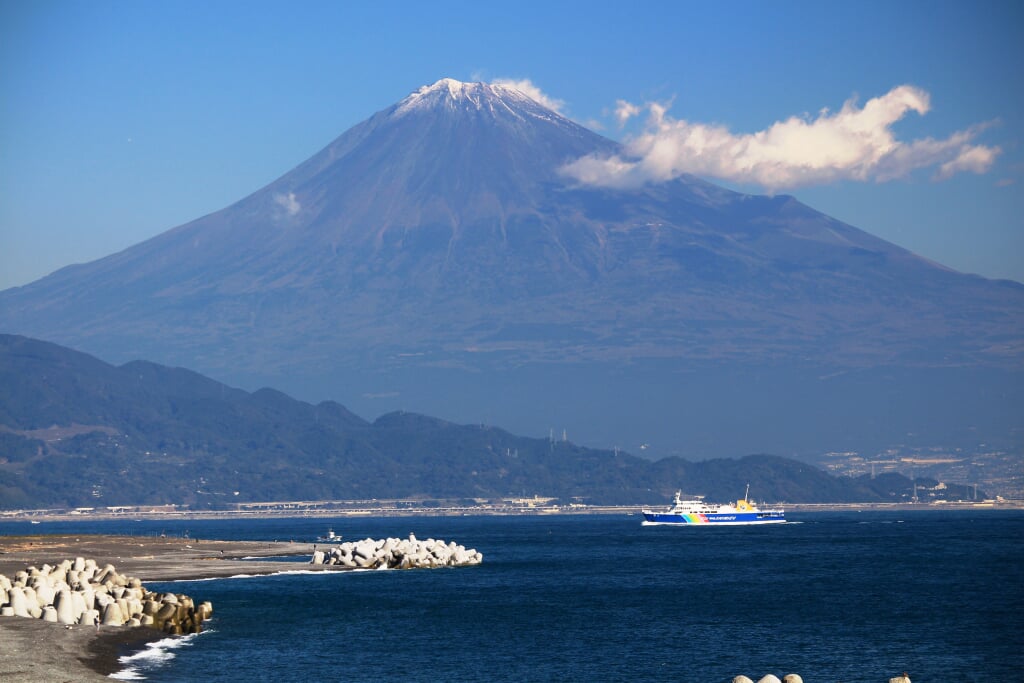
<point>694,510</point>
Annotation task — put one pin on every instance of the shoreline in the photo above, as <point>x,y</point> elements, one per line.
<point>319,510</point>
<point>153,558</point>
<point>34,651</point>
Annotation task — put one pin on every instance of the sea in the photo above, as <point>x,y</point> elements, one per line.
<point>836,597</point>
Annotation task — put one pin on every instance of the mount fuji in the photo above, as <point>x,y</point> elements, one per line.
<point>436,258</point>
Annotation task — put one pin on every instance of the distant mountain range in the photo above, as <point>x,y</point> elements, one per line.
<point>75,431</point>
<point>434,258</point>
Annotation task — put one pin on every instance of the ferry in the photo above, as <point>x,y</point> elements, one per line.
<point>694,510</point>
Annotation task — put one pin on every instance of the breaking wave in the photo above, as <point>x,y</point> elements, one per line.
<point>153,656</point>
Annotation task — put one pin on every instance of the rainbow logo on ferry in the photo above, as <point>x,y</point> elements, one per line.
<point>694,511</point>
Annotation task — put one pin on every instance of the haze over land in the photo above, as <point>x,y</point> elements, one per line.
<point>75,432</point>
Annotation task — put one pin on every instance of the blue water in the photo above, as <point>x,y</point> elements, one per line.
<point>835,597</point>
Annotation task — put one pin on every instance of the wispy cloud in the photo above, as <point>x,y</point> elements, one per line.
<point>625,111</point>
<point>855,143</point>
<point>288,202</point>
<point>527,87</point>
<point>382,394</point>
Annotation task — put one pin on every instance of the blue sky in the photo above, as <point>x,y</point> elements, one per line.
<point>119,120</point>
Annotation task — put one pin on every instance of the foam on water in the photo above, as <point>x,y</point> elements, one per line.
<point>154,655</point>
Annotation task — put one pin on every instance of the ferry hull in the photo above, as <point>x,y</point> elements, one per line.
<point>695,512</point>
<point>723,519</point>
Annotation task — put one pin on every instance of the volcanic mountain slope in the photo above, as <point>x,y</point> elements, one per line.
<point>436,245</point>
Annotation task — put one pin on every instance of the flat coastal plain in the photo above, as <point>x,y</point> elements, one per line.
<point>32,650</point>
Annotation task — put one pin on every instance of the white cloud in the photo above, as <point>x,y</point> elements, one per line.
<point>625,111</point>
<point>526,86</point>
<point>973,158</point>
<point>855,143</point>
<point>288,202</point>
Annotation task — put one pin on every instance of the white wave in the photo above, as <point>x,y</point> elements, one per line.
<point>154,655</point>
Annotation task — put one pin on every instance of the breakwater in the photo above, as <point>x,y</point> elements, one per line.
<point>395,553</point>
<point>80,592</point>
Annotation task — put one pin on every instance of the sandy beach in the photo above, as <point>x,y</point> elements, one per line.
<point>34,651</point>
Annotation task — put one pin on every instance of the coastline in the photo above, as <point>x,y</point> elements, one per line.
<point>32,650</point>
<point>35,651</point>
<point>349,509</point>
<point>152,558</point>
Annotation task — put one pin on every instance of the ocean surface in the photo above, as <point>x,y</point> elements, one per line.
<point>835,597</point>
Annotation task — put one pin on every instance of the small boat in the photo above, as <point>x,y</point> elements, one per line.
<point>694,510</point>
<point>331,537</point>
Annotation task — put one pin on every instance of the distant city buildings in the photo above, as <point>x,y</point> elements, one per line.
<point>997,473</point>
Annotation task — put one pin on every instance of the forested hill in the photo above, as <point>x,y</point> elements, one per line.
<point>75,431</point>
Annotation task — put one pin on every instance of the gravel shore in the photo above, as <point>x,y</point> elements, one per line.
<point>35,651</point>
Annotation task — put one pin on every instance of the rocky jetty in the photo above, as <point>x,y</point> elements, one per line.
<point>396,553</point>
<point>80,592</point>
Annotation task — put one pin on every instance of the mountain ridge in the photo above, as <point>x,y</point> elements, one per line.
<point>75,431</point>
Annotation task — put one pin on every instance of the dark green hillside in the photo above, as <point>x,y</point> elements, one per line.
<point>75,431</point>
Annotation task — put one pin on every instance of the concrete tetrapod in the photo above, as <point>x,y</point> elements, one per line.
<point>78,592</point>
<point>394,553</point>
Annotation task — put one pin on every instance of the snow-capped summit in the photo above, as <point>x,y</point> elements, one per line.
<point>451,93</point>
<point>454,88</point>
<point>445,147</point>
